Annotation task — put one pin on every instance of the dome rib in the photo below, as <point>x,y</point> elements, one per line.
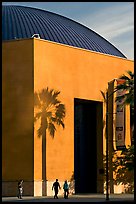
<point>13,17</point>
<point>56,31</point>
<point>22,22</point>
<point>40,27</point>
<point>73,41</point>
<point>9,28</point>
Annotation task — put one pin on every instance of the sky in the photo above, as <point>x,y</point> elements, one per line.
<point>112,20</point>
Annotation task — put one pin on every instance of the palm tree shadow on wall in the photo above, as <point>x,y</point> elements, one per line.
<point>51,113</point>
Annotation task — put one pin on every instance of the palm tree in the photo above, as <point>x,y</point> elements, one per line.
<point>125,174</point>
<point>128,96</point>
<point>128,86</point>
<point>51,112</point>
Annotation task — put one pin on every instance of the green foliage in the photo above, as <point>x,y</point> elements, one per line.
<point>123,167</point>
<point>128,86</point>
<point>123,164</point>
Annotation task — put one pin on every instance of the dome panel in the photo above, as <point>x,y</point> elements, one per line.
<point>23,22</point>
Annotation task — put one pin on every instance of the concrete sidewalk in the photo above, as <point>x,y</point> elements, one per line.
<point>75,198</point>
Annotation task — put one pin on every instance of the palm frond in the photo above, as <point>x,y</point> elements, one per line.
<point>60,122</point>
<point>53,119</point>
<point>52,129</point>
<point>60,112</point>
<point>37,116</point>
<point>131,74</point>
<point>53,97</point>
<point>120,98</point>
<point>52,111</point>
<point>124,77</point>
<point>43,95</point>
<point>40,131</point>
<point>48,114</point>
<point>36,100</point>
<point>55,94</point>
<point>129,98</point>
<point>128,87</point>
<point>129,77</point>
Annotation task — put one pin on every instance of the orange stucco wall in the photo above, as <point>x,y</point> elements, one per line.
<point>17,111</point>
<point>28,66</point>
<point>77,73</point>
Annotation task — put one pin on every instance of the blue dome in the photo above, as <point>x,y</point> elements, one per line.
<point>23,22</point>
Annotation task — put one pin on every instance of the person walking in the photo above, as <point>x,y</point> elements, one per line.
<point>20,189</point>
<point>66,189</point>
<point>56,187</point>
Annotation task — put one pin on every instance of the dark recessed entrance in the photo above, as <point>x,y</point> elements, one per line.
<point>87,120</point>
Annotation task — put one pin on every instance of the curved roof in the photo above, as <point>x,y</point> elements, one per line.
<point>22,22</point>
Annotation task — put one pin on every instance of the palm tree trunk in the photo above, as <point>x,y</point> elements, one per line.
<point>44,189</point>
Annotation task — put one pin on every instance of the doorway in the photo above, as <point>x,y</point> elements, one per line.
<point>87,119</point>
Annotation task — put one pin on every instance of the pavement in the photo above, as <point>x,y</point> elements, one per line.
<point>75,198</point>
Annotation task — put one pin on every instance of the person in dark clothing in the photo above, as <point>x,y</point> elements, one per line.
<point>66,189</point>
<point>56,187</point>
<point>20,189</point>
